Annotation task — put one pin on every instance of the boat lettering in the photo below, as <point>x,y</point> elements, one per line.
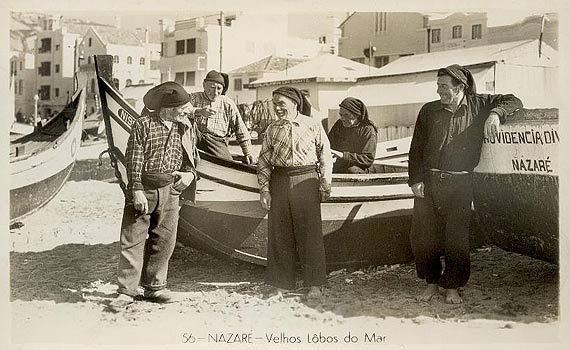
<point>532,165</point>
<point>537,137</point>
<point>126,117</point>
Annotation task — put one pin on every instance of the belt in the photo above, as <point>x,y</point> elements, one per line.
<point>294,170</point>
<point>447,173</point>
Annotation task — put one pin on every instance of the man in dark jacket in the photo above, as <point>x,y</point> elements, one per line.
<point>445,148</point>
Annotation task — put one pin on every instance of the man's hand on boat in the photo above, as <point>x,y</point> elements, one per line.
<point>492,125</point>
<point>182,180</point>
<point>265,200</point>
<point>139,202</point>
<point>206,112</point>
<point>249,159</point>
<point>336,155</point>
<point>418,189</point>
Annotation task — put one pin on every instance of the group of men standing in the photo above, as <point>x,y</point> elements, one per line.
<point>294,172</point>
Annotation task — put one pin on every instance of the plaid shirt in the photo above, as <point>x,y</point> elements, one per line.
<point>226,119</point>
<point>287,143</point>
<point>152,147</point>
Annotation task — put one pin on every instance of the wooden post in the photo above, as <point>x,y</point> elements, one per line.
<point>104,67</point>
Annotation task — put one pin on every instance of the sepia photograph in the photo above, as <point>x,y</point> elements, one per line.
<point>288,175</point>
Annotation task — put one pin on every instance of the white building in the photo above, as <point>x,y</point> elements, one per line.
<point>241,78</point>
<point>135,59</point>
<point>191,48</point>
<point>23,74</point>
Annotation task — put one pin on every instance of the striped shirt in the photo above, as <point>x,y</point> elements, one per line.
<point>297,142</point>
<point>226,120</point>
<point>152,147</point>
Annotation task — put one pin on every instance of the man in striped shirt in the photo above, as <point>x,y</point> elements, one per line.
<point>160,162</point>
<point>217,116</point>
<point>294,173</point>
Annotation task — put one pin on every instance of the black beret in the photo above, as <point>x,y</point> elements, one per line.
<point>167,94</point>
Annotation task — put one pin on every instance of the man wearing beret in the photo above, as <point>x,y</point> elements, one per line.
<point>217,116</point>
<point>160,159</point>
<point>445,148</point>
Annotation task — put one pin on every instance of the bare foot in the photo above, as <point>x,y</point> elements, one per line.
<point>314,293</point>
<point>452,296</point>
<point>429,292</point>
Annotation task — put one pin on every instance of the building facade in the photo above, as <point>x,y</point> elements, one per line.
<point>56,58</point>
<point>135,61</point>
<point>23,78</point>
<point>192,47</point>
<point>456,31</point>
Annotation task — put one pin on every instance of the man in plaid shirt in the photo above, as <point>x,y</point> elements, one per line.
<point>160,161</point>
<point>217,116</point>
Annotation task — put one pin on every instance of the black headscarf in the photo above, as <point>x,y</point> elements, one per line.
<point>303,104</point>
<point>460,74</point>
<point>358,108</point>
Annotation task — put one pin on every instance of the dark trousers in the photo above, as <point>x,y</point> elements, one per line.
<point>440,226</point>
<point>214,145</point>
<point>295,229</point>
<point>147,241</point>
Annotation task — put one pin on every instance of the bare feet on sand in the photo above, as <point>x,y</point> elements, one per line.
<point>314,293</point>
<point>429,292</point>
<point>452,296</point>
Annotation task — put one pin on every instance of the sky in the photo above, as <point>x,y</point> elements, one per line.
<point>132,20</point>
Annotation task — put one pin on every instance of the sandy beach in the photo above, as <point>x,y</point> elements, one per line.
<point>63,264</point>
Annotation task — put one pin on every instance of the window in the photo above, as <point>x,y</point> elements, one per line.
<point>115,59</point>
<point>45,69</point>
<point>162,48</point>
<point>44,92</point>
<point>92,110</point>
<point>436,36</point>
<point>21,87</point>
<point>129,82</point>
<point>380,61</point>
<point>116,83</point>
<point>90,41</point>
<point>380,22</point>
<point>88,59</point>
<point>141,81</point>
<point>56,92</point>
<point>180,47</point>
<point>237,84</point>
<point>190,79</point>
<point>57,68</point>
<point>129,60</point>
<point>179,78</point>
<point>57,47</point>
<point>45,45</point>
<point>358,59</point>
<point>141,61</point>
<point>456,32</point>
<point>13,68</point>
<point>93,85</point>
<point>476,32</point>
<point>191,46</point>
<point>323,39</point>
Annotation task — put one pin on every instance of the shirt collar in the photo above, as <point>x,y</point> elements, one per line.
<point>462,104</point>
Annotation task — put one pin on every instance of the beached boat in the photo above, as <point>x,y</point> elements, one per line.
<point>516,185</point>
<point>366,221</point>
<point>41,161</point>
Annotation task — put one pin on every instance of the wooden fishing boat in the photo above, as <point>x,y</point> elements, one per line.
<point>366,221</point>
<point>516,185</point>
<point>41,161</point>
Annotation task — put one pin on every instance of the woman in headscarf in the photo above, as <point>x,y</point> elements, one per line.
<point>353,139</point>
<point>294,173</point>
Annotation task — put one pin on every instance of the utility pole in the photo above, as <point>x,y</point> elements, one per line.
<point>221,36</point>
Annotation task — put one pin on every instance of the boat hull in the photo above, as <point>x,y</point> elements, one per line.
<point>516,185</point>
<point>37,176</point>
